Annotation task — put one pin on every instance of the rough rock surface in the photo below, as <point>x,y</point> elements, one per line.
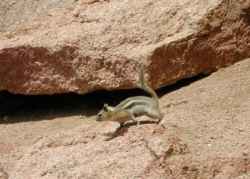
<point>206,135</point>
<point>3,174</point>
<point>49,47</point>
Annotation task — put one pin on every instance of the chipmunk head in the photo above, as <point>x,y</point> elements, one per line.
<point>104,113</point>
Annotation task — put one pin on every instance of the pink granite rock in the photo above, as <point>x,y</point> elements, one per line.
<point>81,46</point>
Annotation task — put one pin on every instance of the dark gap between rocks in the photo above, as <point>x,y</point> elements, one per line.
<point>61,105</point>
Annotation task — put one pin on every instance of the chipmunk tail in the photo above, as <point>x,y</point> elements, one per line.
<point>142,83</point>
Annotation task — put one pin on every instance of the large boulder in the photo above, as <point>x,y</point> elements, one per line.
<point>49,47</point>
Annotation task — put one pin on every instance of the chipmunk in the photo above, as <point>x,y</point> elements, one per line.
<point>132,107</point>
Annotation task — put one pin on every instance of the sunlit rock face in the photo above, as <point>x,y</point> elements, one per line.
<point>83,46</point>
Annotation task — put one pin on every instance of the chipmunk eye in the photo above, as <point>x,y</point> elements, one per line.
<point>99,116</point>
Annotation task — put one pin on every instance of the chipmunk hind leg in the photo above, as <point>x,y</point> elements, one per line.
<point>134,119</point>
<point>154,113</point>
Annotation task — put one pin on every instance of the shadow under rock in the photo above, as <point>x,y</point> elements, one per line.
<point>21,108</point>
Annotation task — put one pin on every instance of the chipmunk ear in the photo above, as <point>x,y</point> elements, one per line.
<point>105,107</point>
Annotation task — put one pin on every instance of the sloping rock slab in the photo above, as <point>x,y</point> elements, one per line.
<point>206,137</point>
<point>88,45</point>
